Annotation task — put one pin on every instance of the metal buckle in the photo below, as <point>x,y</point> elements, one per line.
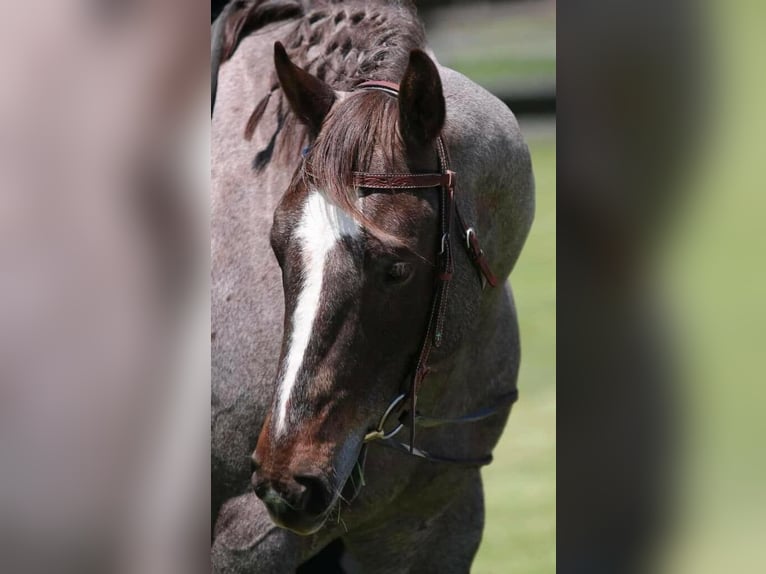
<point>450,179</point>
<point>445,238</point>
<point>470,231</point>
<point>380,433</point>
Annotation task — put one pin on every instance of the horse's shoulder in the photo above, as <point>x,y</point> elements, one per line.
<point>493,161</point>
<point>474,112</point>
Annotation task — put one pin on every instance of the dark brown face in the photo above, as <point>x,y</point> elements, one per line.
<point>355,311</point>
<point>357,296</point>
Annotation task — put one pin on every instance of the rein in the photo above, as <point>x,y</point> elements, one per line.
<point>449,219</point>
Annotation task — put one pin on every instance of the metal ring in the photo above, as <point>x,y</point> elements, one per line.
<point>379,433</point>
<point>393,433</point>
<point>470,231</point>
<point>390,409</point>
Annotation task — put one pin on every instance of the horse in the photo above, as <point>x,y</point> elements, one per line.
<point>364,200</point>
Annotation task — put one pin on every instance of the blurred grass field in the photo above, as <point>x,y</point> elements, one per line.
<point>520,485</point>
<point>717,274</point>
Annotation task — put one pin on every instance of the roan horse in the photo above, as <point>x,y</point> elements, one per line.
<point>329,283</point>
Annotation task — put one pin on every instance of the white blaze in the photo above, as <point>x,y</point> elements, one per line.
<point>321,227</point>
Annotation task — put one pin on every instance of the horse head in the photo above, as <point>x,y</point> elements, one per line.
<point>358,272</point>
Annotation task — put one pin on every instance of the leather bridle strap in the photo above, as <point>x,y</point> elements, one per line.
<point>403,180</point>
<point>448,216</point>
<point>506,401</point>
<point>424,454</point>
<point>502,402</point>
<point>446,179</point>
<point>379,85</point>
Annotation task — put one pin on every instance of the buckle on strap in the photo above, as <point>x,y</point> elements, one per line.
<point>451,177</point>
<point>445,239</point>
<point>468,232</point>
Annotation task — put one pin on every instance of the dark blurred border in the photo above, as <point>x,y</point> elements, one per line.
<point>630,92</point>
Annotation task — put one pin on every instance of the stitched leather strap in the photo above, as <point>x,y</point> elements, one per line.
<point>402,180</point>
<point>382,85</point>
<point>475,252</point>
<point>429,180</point>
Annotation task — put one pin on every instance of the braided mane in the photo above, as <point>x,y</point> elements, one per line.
<point>342,43</point>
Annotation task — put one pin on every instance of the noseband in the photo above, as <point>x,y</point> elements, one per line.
<point>449,218</point>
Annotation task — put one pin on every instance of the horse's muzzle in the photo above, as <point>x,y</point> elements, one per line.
<point>298,503</point>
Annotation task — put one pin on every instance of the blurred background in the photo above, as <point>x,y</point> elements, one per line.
<point>714,259</point>
<point>104,300</point>
<point>660,278</point>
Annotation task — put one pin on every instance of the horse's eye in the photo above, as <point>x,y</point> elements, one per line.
<point>399,273</point>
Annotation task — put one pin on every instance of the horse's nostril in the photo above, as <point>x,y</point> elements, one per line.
<point>261,487</point>
<point>316,496</point>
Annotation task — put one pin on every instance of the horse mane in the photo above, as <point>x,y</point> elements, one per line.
<point>343,44</point>
<point>364,124</point>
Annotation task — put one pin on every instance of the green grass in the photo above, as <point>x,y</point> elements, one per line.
<point>507,48</point>
<point>520,486</point>
<point>489,70</point>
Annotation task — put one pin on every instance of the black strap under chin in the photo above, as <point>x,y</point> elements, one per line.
<point>422,421</point>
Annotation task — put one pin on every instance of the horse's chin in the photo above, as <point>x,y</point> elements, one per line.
<point>301,524</point>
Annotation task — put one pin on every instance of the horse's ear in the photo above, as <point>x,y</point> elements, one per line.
<point>309,97</point>
<point>421,101</point>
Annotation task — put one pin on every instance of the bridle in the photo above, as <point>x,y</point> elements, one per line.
<point>449,219</point>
